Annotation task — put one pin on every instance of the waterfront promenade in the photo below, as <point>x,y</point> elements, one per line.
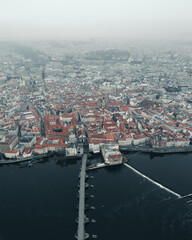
<point>22,159</point>
<point>147,149</point>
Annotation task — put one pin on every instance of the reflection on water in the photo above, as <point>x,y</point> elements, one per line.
<point>66,162</point>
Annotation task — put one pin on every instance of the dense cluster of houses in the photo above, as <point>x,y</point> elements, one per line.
<point>65,108</point>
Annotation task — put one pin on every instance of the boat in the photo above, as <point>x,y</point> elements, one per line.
<point>30,164</point>
<point>22,165</point>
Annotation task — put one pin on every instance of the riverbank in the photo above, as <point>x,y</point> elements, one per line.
<point>38,157</point>
<point>22,159</point>
<point>147,149</point>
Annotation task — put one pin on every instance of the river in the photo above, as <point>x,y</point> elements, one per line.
<point>40,202</point>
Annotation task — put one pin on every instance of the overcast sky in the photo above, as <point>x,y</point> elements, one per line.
<point>82,19</point>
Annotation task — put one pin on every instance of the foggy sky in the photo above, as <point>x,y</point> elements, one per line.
<point>104,19</point>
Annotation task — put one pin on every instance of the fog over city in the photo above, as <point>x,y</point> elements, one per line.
<point>102,19</point>
<point>96,119</point>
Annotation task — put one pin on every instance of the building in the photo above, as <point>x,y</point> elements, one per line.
<point>12,154</point>
<point>55,128</point>
<point>27,152</point>
<point>8,142</point>
<point>124,140</point>
<point>50,144</point>
<point>139,139</point>
<point>111,154</point>
<point>71,150</point>
<point>28,140</point>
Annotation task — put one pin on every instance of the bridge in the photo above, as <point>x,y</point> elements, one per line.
<point>81,235</point>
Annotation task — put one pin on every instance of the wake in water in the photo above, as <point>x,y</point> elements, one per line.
<point>152,181</point>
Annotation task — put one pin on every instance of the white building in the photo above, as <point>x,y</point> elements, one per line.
<point>12,154</point>
<point>125,140</point>
<point>140,139</point>
<point>111,154</point>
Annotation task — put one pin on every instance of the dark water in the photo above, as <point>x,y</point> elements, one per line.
<point>130,207</point>
<point>40,202</point>
<point>171,170</point>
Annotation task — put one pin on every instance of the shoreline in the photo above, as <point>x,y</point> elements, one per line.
<point>19,160</point>
<point>123,149</point>
<point>36,157</point>
<point>158,150</point>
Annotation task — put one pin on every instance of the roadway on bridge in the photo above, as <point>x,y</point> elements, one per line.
<point>81,215</point>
